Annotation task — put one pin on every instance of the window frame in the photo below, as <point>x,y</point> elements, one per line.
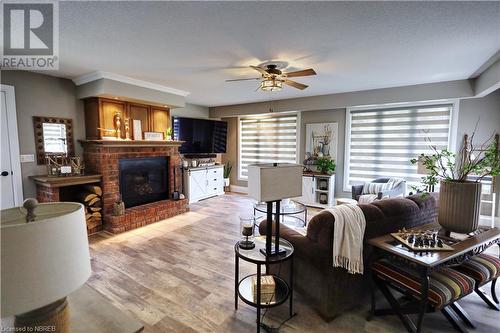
<point>452,135</point>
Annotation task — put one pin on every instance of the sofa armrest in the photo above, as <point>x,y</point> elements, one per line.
<point>304,247</point>
<point>356,191</point>
<point>399,190</point>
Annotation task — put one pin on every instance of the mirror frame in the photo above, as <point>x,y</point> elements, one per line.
<point>39,143</point>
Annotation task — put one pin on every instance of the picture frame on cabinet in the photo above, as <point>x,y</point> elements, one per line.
<point>137,129</point>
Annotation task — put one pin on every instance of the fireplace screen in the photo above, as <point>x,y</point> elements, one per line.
<point>143,180</point>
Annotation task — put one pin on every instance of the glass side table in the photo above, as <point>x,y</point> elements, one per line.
<point>292,214</point>
<point>243,287</point>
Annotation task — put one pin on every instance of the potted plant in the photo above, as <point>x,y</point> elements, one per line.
<point>168,134</point>
<point>325,165</point>
<point>227,172</point>
<point>460,194</point>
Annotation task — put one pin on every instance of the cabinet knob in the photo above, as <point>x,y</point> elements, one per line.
<point>5,173</point>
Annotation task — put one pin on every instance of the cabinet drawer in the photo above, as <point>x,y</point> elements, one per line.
<point>216,172</point>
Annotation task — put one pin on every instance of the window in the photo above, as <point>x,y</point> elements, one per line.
<point>267,139</point>
<point>381,141</point>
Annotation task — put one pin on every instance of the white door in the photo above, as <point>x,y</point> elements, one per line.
<point>10,165</point>
<point>308,188</point>
<point>197,184</point>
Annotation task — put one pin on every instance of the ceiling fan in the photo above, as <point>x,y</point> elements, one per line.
<point>272,78</point>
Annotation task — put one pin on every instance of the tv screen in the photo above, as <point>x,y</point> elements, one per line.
<point>201,136</point>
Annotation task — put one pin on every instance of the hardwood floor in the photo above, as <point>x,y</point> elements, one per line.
<point>177,275</point>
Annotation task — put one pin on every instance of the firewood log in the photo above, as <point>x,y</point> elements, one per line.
<point>93,189</point>
<point>93,201</point>
<point>85,197</point>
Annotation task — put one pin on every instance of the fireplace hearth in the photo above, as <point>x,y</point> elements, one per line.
<point>143,180</point>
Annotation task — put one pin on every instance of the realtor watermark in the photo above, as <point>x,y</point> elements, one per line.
<point>30,38</point>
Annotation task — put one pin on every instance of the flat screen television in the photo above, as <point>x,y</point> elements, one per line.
<point>201,136</point>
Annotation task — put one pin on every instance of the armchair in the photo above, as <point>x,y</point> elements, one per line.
<point>357,190</point>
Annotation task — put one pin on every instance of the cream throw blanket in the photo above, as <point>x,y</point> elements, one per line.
<point>348,235</point>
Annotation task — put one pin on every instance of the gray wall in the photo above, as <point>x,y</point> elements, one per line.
<point>328,116</point>
<point>191,110</point>
<point>42,95</point>
<point>416,93</point>
<point>486,110</point>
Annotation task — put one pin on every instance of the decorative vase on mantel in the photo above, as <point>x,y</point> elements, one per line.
<point>459,204</point>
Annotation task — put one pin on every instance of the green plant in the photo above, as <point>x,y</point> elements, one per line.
<point>168,133</point>
<point>325,165</point>
<point>227,169</point>
<point>457,167</point>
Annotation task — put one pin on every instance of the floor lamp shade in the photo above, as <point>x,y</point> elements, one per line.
<point>274,181</point>
<point>44,260</point>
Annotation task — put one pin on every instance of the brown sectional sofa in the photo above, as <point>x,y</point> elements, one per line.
<point>330,290</point>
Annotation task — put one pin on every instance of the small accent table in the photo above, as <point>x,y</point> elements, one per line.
<point>289,213</point>
<point>243,287</point>
<point>426,262</point>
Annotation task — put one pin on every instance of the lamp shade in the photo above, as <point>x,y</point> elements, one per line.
<point>271,182</point>
<point>44,260</point>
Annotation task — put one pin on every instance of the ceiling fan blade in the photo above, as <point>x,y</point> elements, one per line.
<point>253,78</point>
<point>296,84</point>
<point>304,72</point>
<point>260,70</point>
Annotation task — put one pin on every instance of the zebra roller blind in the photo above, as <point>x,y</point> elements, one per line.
<point>267,139</point>
<point>382,141</point>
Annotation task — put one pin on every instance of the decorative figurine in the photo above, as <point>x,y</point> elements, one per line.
<point>117,121</point>
<point>127,128</point>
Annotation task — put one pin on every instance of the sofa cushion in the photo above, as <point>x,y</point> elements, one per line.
<point>445,285</point>
<point>482,268</point>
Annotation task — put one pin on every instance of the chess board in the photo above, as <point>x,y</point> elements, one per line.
<point>409,239</point>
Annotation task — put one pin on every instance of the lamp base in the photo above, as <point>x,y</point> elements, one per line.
<point>53,317</point>
<point>246,245</point>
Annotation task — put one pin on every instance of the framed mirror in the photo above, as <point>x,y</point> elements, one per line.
<point>53,136</point>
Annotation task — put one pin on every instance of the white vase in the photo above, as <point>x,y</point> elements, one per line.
<point>226,182</point>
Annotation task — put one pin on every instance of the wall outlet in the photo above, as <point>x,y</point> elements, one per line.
<point>27,158</point>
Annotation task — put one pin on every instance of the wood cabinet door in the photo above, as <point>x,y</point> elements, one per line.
<point>160,119</point>
<point>138,112</point>
<point>108,109</point>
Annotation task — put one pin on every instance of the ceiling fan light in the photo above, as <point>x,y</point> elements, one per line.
<point>271,85</point>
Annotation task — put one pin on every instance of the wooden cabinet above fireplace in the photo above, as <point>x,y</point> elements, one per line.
<point>100,113</point>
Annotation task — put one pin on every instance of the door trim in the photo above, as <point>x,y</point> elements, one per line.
<point>15,158</point>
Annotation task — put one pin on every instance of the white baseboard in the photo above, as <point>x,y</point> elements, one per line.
<point>238,189</point>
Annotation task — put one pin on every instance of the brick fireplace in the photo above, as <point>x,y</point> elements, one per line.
<point>103,157</point>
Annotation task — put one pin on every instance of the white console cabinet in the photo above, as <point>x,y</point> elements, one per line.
<point>204,182</point>
<point>318,191</point>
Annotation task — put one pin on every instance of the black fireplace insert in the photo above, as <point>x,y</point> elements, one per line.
<point>143,180</point>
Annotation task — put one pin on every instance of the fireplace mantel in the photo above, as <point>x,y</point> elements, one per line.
<point>131,143</point>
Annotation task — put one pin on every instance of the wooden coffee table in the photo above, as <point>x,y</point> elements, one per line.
<point>387,246</point>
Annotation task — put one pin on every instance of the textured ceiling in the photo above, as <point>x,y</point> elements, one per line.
<point>195,46</point>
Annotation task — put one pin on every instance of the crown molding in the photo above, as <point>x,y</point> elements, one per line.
<point>86,78</point>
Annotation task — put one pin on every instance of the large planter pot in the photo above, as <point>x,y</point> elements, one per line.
<point>459,206</point>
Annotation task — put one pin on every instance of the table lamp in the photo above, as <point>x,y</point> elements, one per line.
<point>45,257</point>
<point>270,183</point>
